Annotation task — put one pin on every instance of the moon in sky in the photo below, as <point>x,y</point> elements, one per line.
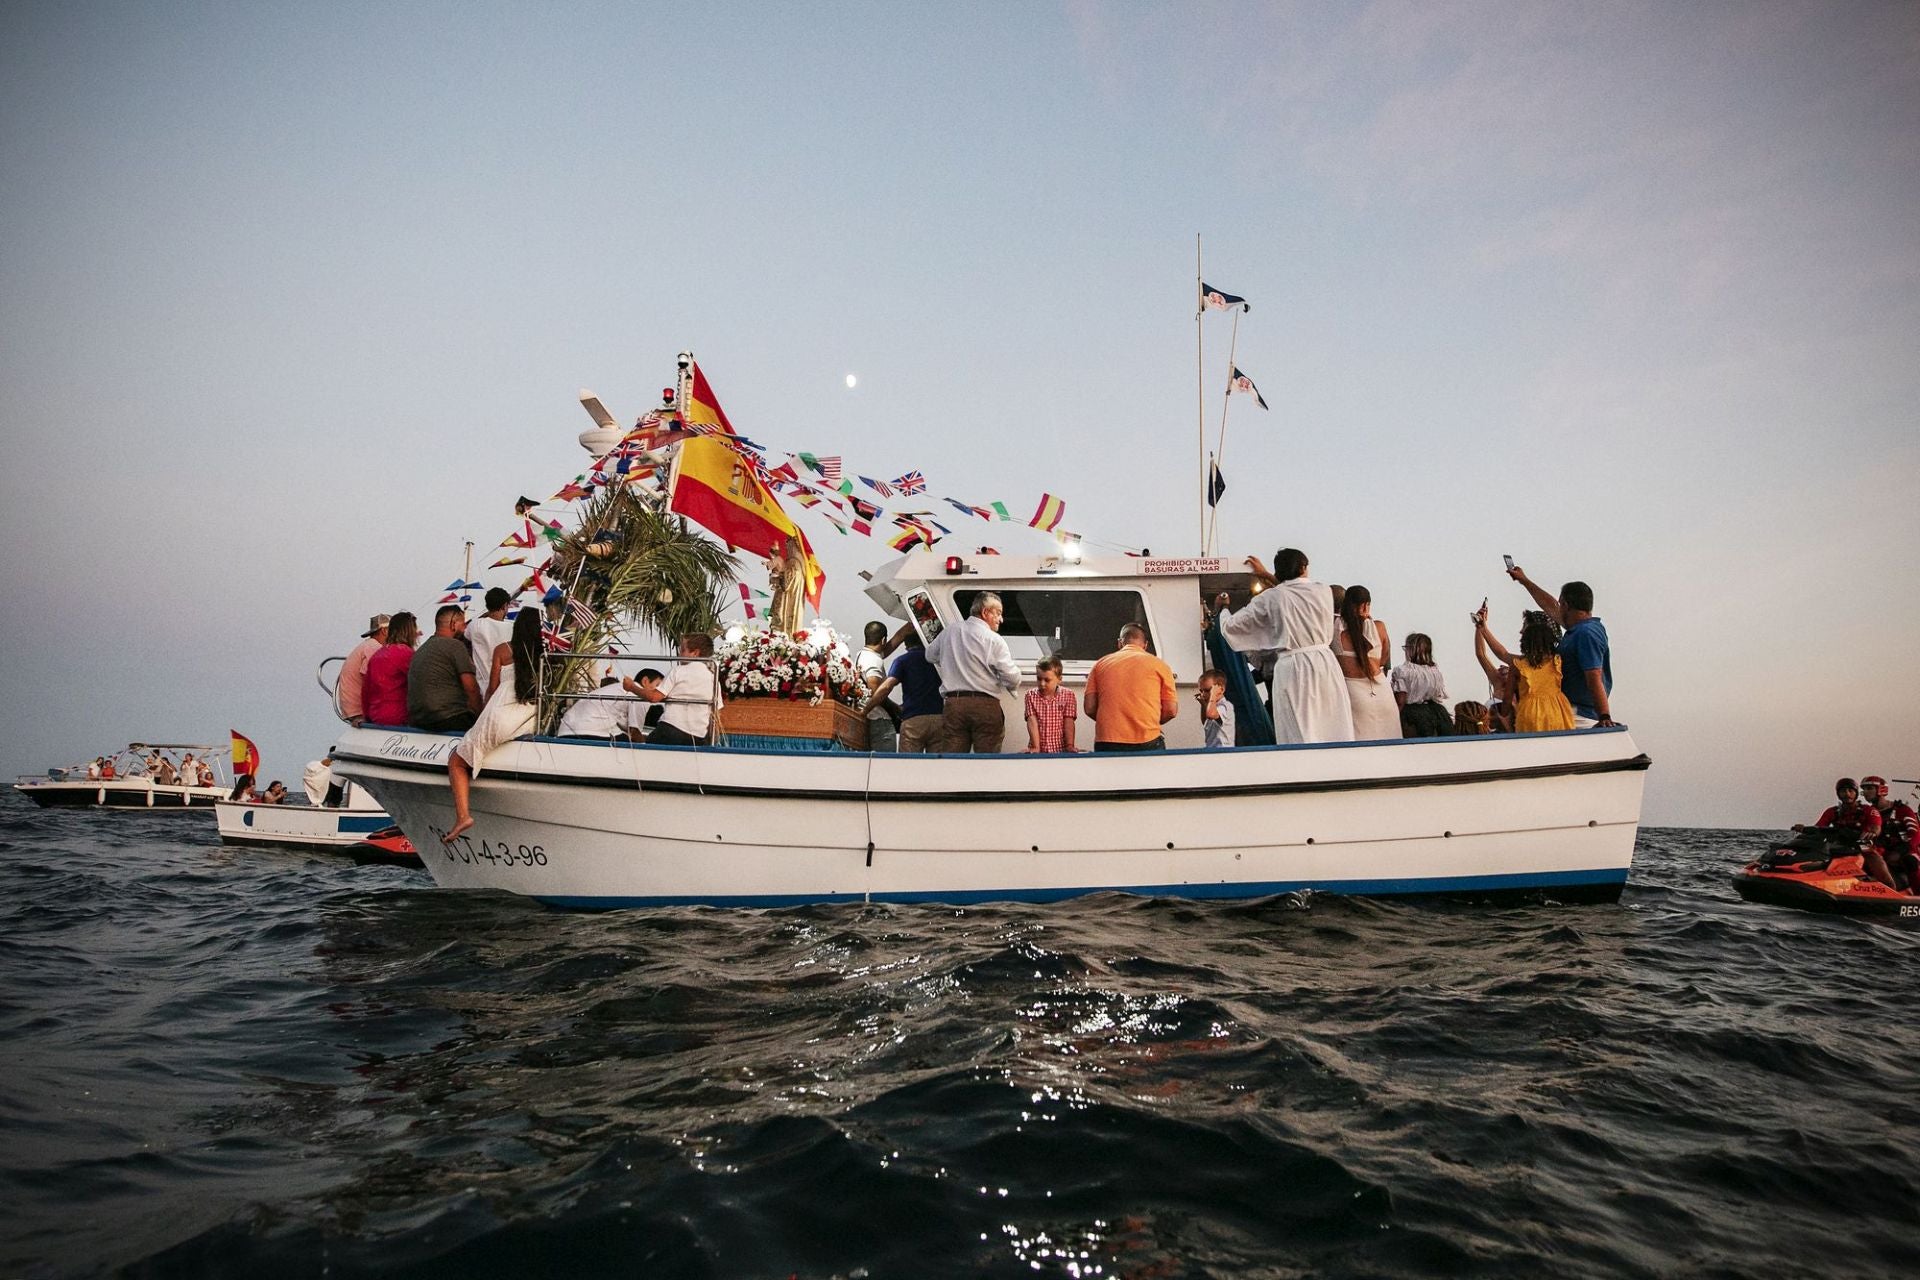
<point>851,380</point>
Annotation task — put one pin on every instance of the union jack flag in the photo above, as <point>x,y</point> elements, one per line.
<point>911,483</point>
<point>554,638</point>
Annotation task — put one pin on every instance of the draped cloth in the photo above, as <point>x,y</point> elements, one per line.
<point>1309,693</point>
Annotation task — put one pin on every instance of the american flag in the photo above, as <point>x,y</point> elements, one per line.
<point>581,613</point>
<point>880,487</point>
<point>911,483</point>
<point>830,469</point>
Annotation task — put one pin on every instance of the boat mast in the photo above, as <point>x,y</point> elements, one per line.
<point>1200,388</point>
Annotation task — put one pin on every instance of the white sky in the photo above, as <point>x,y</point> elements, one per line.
<point>295,299</point>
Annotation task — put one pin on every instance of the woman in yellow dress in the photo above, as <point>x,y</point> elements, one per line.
<point>1540,706</point>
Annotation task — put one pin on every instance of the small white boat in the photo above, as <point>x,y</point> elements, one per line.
<point>131,787</point>
<point>594,825</point>
<point>302,826</point>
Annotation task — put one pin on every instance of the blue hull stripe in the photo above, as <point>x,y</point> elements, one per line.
<point>1607,876</point>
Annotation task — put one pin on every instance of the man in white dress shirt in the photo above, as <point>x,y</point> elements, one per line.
<point>975,665</point>
<point>1295,617</point>
<point>688,693</point>
<point>600,717</point>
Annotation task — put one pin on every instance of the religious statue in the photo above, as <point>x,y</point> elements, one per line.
<point>787,580</point>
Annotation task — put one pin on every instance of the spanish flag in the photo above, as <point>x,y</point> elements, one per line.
<point>246,756</point>
<point>716,489</point>
<point>703,406</point>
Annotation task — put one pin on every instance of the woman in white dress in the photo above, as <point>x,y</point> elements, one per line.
<point>1360,644</point>
<point>1295,618</point>
<point>512,698</point>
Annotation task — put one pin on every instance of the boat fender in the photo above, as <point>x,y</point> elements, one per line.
<point>149,797</point>
<point>869,853</point>
<point>100,796</point>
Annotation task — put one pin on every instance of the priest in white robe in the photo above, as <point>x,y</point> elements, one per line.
<point>1295,617</point>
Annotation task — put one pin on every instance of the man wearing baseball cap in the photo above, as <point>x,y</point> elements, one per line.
<point>1899,838</point>
<point>348,701</point>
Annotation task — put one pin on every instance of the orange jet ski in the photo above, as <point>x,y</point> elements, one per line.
<point>387,846</point>
<point>1821,870</point>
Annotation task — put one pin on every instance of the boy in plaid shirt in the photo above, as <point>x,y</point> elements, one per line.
<point>1051,711</point>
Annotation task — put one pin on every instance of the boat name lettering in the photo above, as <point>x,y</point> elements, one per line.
<point>1201,565</point>
<point>464,848</point>
<point>398,746</point>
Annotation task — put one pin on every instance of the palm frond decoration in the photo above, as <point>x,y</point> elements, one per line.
<point>631,566</point>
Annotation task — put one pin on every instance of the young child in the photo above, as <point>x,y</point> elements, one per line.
<point>645,681</point>
<point>1471,717</point>
<point>1051,711</point>
<point>1540,706</point>
<point>1216,713</point>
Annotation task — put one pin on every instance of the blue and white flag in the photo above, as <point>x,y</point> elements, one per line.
<point>1212,299</point>
<point>1241,382</point>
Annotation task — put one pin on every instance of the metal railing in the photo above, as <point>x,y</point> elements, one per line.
<point>716,735</point>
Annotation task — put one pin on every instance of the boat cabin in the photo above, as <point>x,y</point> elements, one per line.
<point>1070,609</point>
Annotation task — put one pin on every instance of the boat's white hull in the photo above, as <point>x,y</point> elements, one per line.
<point>142,794</point>
<point>593,825</point>
<point>297,825</point>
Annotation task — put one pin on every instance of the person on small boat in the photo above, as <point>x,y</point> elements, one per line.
<point>1586,659</point>
<point>107,772</point>
<point>386,682</point>
<point>1129,694</point>
<point>93,770</point>
<point>349,693</point>
<point>975,665</point>
<point>508,714</point>
<point>1542,705</point>
<point>1899,838</point>
<point>1471,718</point>
<point>1420,691</point>
<point>276,793</point>
<point>639,722</point>
<point>1858,821</point>
<point>1216,713</point>
<point>153,762</point>
<point>688,694</point>
<point>243,789</point>
<point>443,693</point>
<point>1294,617</point>
<point>1361,646</point>
<point>1050,710</point>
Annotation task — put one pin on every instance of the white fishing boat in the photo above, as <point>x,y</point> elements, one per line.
<point>597,825</point>
<point>131,786</point>
<point>303,826</point>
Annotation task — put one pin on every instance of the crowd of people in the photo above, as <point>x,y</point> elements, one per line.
<point>1319,653</point>
<point>1322,656</point>
<point>190,771</point>
<point>1886,830</point>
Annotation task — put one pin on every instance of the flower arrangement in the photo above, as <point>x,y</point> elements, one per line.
<point>772,664</point>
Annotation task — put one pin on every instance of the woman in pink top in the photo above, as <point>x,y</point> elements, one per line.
<point>384,692</point>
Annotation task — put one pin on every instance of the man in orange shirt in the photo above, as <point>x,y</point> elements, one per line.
<point>1130,695</point>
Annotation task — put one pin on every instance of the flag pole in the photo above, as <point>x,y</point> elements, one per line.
<point>1220,445</point>
<point>466,576</point>
<point>1200,387</point>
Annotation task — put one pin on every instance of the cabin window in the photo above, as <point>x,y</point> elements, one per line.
<point>1070,625</point>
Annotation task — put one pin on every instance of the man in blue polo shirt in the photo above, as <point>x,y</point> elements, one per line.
<point>1586,663</point>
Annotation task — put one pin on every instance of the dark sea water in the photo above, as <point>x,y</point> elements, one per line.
<point>222,1061</point>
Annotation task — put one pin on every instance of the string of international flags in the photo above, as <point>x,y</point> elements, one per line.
<point>819,482</point>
